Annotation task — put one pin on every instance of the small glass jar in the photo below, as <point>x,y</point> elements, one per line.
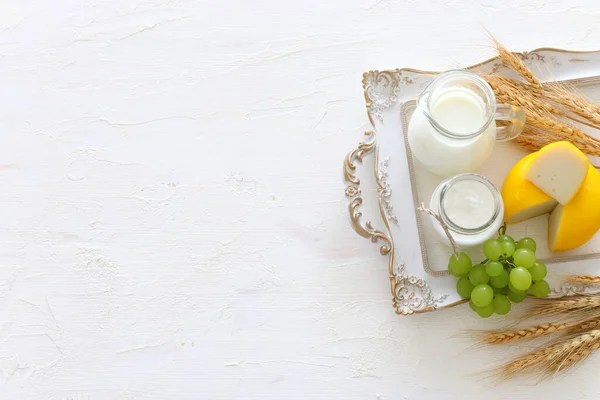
<point>470,206</point>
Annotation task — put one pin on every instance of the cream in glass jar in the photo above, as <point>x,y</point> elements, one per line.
<point>470,206</point>
<point>453,128</point>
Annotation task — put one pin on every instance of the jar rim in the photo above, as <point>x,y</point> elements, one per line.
<point>449,183</point>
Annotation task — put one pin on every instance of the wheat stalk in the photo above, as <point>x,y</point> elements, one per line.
<point>542,117</point>
<point>511,60</point>
<point>585,325</point>
<point>543,105</point>
<point>562,95</point>
<point>542,126</point>
<point>510,91</point>
<point>533,139</point>
<point>573,304</point>
<point>583,279</point>
<point>554,358</point>
<point>512,335</point>
<point>549,123</point>
<point>541,130</point>
<point>552,93</point>
<point>576,350</point>
<point>574,103</point>
<point>534,332</point>
<point>578,339</point>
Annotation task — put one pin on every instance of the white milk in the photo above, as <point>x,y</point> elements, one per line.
<point>460,111</point>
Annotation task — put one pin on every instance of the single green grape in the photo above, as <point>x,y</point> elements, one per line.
<point>501,280</point>
<point>472,305</point>
<point>524,258</point>
<point>516,297</point>
<point>514,289</point>
<point>520,278</point>
<point>459,264</point>
<point>540,289</point>
<point>527,243</point>
<point>482,295</point>
<point>492,249</point>
<point>538,271</point>
<point>494,268</point>
<point>477,275</point>
<point>464,287</point>
<point>486,311</point>
<point>503,290</point>
<point>508,247</point>
<point>501,304</point>
<point>506,238</point>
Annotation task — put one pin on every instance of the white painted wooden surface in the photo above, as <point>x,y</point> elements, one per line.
<point>173,219</point>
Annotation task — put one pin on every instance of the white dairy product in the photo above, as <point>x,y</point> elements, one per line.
<point>558,170</point>
<point>471,206</point>
<point>461,112</point>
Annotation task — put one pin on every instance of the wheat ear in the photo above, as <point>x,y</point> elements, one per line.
<point>511,60</point>
<point>542,126</point>
<point>573,102</point>
<point>566,101</point>
<point>512,335</point>
<point>554,358</point>
<point>555,92</point>
<point>518,93</point>
<point>565,305</point>
<point>534,332</point>
<point>545,129</point>
<point>585,325</point>
<point>583,279</point>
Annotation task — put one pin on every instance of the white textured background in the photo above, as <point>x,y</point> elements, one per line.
<point>172,220</point>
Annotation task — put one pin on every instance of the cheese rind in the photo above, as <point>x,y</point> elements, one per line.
<point>573,225</point>
<point>558,170</point>
<point>522,199</point>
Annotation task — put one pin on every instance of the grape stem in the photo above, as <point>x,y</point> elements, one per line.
<point>502,230</point>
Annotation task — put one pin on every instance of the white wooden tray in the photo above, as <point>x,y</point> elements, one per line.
<point>417,257</point>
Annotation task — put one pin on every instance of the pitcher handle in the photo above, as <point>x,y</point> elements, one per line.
<point>516,118</point>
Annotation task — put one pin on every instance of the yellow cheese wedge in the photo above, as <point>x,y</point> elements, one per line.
<point>522,199</point>
<point>573,225</point>
<point>558,170</point>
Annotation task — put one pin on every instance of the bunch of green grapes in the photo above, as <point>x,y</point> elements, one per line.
<point>506,276</point>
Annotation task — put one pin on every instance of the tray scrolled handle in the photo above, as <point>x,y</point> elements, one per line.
<point>353,192</point>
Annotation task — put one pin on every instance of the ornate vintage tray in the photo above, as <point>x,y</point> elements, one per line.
<point>417,258</point>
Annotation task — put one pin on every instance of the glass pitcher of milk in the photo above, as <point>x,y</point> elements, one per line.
<point>453,130</point>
